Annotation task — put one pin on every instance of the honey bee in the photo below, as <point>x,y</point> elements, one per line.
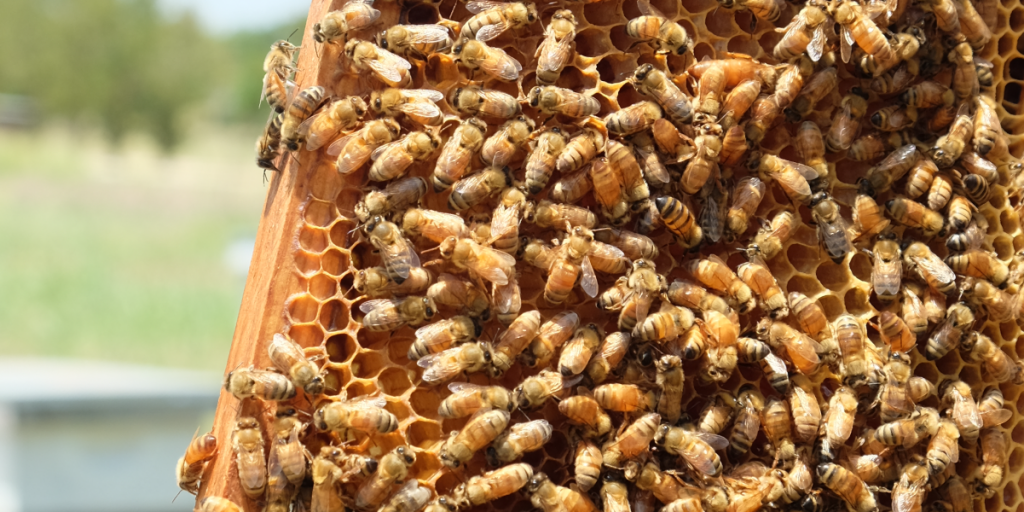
<point>583,147</point>
<point>791,176</point>
<point>484,262</point>
<point>849,333</point>
<point>247,442</point>
<point>624,398</point>
<point>555,51</point>
<point>767,10</point>
<point>995,362</point>
<point>280,59</point>
<point>801,350</point>
<point>365,414</point>
<point>419,104</point>
<point>614,494</point>
<point>920,178</point>
<point>461,294</point>
<point>335,25</point>
<point>578,351</point>
<point>517,440</point>
<point>268,145</point>
<point>893,118</point>
<point>397,253</point>
<point>913,214</point>
<point>974,163</point>
<point>908,493</point>
<point>554,498</point>
<point>331,467</point>
<point>887,268</point>
<point>415,41</point>
<point>608,356</point>
<point>466,399</point>
<point>763,114</point>
<point>471,101</point>
<point>572,266</point>
<point>481,429</point>
<point>737,103</point>
<point>585,411</point>
<point>654,28</point>
<point>534,391</point>
<point>748,420</point>
<point>670,381</point>
<point>654,83</point>
<point>696,448</point>
<point>973,27</point>
<point>948,335</point>
<point>191,466</point>
<point>913,311</point>
<point>832,230</point>
<point>446,365</point>
<point>476,188</point>
<point>940,193</point>
<point>300,108</point>
<point>546,214</point>
<point>665,487</point>
<point>759,278</point>
<point>994,452</point>
<point>410,498</point>
<point>679,220</point>
<point>475,54</point>
<point>490,19</point>
<point>808,313</point>
<point>632,441</point>
<point>341,115</point>
<point>520,333</point>
<point>710,86</point>
<point>777,422</point>
<point>492,485</point>
<point>374,282</point>
<point>387,67</point>
<point>790,81</point>
<point>919,259</point>
<point>397,195</point>
<point>715,273</point>
<point>774,369</point>
<point>998,304</point>
<point>440,336</point>
<point>957,496</point>
<point>948,148</point>
<point>690,295</point>
<point>858,27</point>
<point>981,264</point>
<point>391,160</point>
<point>817,87</point>
<point>354,150</point>
<point>709,146</point>
<point>287,454</point>
<point>769,239</point>
<point>633,119</point>
<point>805,32</point>
<point>552,335</point>
<point>218,504</point>
<point>540,164</point>
<point>876,145</point>
<point>289,357</point>
<point>848,486</point>
<point>806,412</point>
<point>894,81</point>
<point>894,398</point>
<point>556,100</point>
<point>838,421</point>
<point>262,384</point>
<point>943,449</point>
<point>956,394</point>
<point>895,333</point>
<point>622,162</point>
<point>717,414</point>
<point>992,409</point>
<point>455,157</point>
<point>393,468</point>
<point>391,314</point>
<point>810,145</point>
<point>987,130</point>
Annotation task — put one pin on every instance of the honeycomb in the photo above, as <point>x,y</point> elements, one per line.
<point>309,247</point>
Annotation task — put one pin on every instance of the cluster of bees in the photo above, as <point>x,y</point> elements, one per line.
<point>543,184</point>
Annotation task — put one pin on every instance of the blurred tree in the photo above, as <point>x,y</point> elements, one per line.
<point>127,66</point>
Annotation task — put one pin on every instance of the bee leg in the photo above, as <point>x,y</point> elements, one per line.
<point>753,23</point>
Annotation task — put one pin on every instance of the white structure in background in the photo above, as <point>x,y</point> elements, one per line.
<point>79,436</point>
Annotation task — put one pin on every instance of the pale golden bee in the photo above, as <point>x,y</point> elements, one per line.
<point>492,485</point>
<point>656,84</point>
<point>475,54</point>
<point>838,421</point>
<point>472,100</point>
<point>631,442</point>
<point>335,25</point>
<point>846,126</point>
<point>365,414</point>
<point>517,440</point>
<point>696,448</point>
<point>191,466</point>
<point>715,273</point>
<point>848,486</point>
<point>356,149</point>
<point>387,67</point>
<point>634,118</point>
<point>393,468</point>
<point>654,28</point>
<point>759,278</point>
<point>547,214</point>
<point>554,498</point>
<point>262,384</point>
<point>769,239</point>
<point>583,147</point>
<point>420,105</point>
<point>477,188</point>
<point>499,148</point>
<point>446,365</point>
<point>817,87</point>
<point>300,108</point>
<point>805,32</point>
<point>492,18</point>
<point>994,454</point>
<point>541,162</point>
<point>483,428</point>
<point>585,411</point>
<point>416,41</point>
<point>247,442</point>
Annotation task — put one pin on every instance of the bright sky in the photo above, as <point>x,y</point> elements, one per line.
<point>226,16</point>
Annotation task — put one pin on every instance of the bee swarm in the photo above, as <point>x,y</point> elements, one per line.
<point>313,250</point>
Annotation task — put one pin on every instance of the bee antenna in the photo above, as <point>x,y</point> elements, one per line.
<point>176,495</point>
<point>292,34</point>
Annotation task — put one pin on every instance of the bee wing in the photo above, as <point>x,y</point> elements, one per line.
<point>425,34</point>
<point>464,387</point>
<point>933,265</point>
<point>804,346</point>
<point>713,440</point>
<point>501,64</point>
<point>846,44</point>
<point>886,270</point>
<point>390,254</point>
<point>643,305</point>
<point>338,146</point>
<point>588,281</point>
<point>505,152</point>
<point>504,220</point>
<point>382,148</point>
<point>431,330</point>
<point>806,171</point>
<point>427,109</point>
<point>388,65</point>
<point>479,6</point>
<point>647,9</point>
<point>371,305</point>
<point>556,383</point>
<point>816,47</point>
<point>440,367</point>
<point>507,297</point>
<point>555,55</point>
<point>906,500</point>
<point>978,61</point>
<point>965,412</point>
<point>491,31</point>
<point>996,417</point>
<point>374,401</point>
<point>838,428</point>
<point>484,264</point>
<point>749,422</point>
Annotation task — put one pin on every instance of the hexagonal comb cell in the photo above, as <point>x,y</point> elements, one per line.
<point>328,247</point>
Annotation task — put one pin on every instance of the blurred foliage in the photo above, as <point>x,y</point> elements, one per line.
<point>126,66</point>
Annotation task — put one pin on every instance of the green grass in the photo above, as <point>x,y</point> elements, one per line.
<point>119,254</point>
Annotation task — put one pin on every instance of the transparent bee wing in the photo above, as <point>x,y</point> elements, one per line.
<point>371,305</point>
<point>556,383</point>
<point>464,387</point>
<point>647,9</point>
<point>935,267</point>
<point>643,305</point>
<point>484,265</point>
<point>555,55</point>
<point>423,109</point>
<point>501,65</point>
<point>354,156</point>
<point>492,31</point>
<point>338,146</point>
<point>305,125</point>
<point>588,281</point>
<point>423,95</point>
<point>889,276</point>
<point>507,297</point>
<point>393,255</point>
<point>846,44</point>
<point>374,401</point>
<point>440,367</point>
<point>425,34</point>
<point>996,417</point>
<point>388,65</point>
<point>816,48</point>
<point>804,346</point>
<point>430,331</point>
<point>806,171</point>
<point>713,440</point>
<point>839,429</point>
<point>907,500</point>
<point>749,422</point>
<point>479,6</point>
<point>504,221</point>
<point>965,412</point>
<point>383,148</point>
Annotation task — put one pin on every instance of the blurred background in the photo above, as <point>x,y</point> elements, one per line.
<point>129,202</point>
